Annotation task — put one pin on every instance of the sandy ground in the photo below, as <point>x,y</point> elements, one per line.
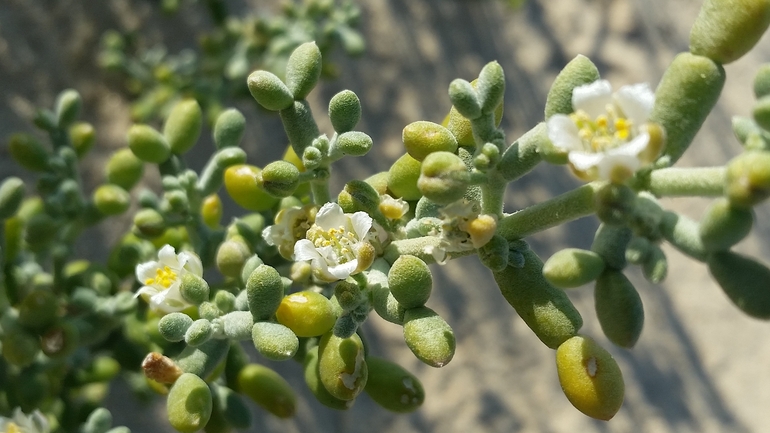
<point>700,365</point>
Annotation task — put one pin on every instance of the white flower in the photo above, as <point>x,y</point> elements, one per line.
<point>162,279</point>
<point>336,245</point>
<point>608,136</point>
<point>21,423</point>
<point>291,225</point>
<point>463,228</point>
<point>393,208</point>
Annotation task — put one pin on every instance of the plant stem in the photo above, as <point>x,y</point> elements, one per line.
<point>320,190</point>
<point>419,247</point>
<point>677,182</point>
<point>492,193</point>
<point>566,207</point>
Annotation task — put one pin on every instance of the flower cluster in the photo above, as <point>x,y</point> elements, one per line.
<point>161,280</point>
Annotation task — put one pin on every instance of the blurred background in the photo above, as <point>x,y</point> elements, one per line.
<point>700,365</point>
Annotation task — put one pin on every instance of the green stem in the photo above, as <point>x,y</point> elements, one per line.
<point>566,207</point>
<point>320,190</point>
<point>677,182</point>
<point>419,247</point>
<point>492,194</point>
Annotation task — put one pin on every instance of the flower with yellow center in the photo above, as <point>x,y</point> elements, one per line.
<point>608,136</point>
<point>35,422</point>
<point>161,279</point>
<point>393,208</point>
<point>336,245</point>
<point>291,225</point>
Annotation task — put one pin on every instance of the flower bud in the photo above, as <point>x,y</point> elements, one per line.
<point>82,137</point>
<point>422,138</point>
<point>225,301</point>
<point>173,326</point>
<point>578,72</point>
<point>189,404</point>
<point>299,125</point>
<point>359,196</point>
<point>194,289</point>
<point>199,332</point>
<point>744,280</point>
<point>590,377</point>
<point>28,152</point>
<point>242,186</point>
<point>344,111</point>
<point>41,230</point>
<point>212,176</point>
<point>268,389</point>
<point>307,313</point>
<point>725,30</point>
<point>464,99</point>
<point>444,178</point>
<point>11,196</point>
<point>68,104</point>
<point>264,289</point>
<point>655,265</point>
<point>353,143</point>
<point>762,112</point>
<point>410,281</point>
<point>573,267</point>
<point>691,85</point>
<point>229,128</point>
<point>274,341</point>
<point>724,225</point>
<point>149,223</point>
<point>238,325</point>
<point>545,309</point>
<point>124,169</point>
<point>250,227</point>
<point>490,87</point>
<point>148,144</point>
<point>429,336</point>
<point>618,308</point>
<point>183,125</point>
<point>280,178</point>
<point>269,91</point>
<point>313,381</point>
<point>392,387</point>
<point>231,256</point>
<point>341,365</point>
<point>209,311</point>
<point>303,69</point>
<point>251,264</point>
<point>111,199</point>
<point>747,181</point>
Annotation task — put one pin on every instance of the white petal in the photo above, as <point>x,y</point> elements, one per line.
<point>305,250</point>
<point>191,262</point>
<point>608,164</point>
<point>343,270</point>
<point>636,101</point>
<point>146,271</point>
<point>330,216</point>
<point>362,222</point>
<point>147,290</point>
<point>563,133</point>
<point>592,98</point>
<point>583,161</point>
<point>633,147</point>
<point>267,235</point>
<point>167,256</point>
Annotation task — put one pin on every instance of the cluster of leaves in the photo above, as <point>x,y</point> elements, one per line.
<point>214,73</point>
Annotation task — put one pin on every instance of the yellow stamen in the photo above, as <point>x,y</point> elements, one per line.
<point>164,277</point>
